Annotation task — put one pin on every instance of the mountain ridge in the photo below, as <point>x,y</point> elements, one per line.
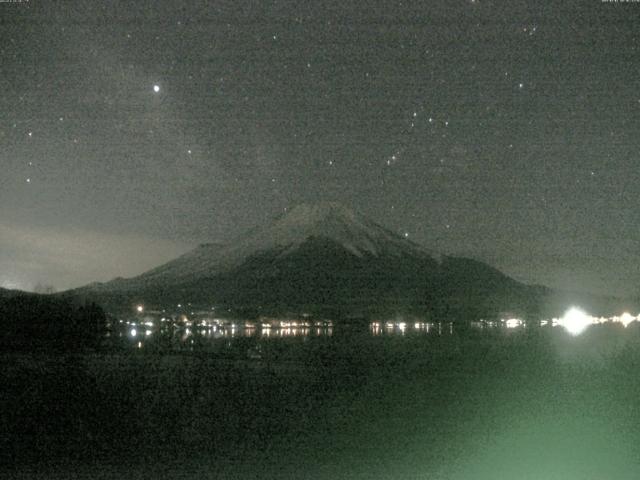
<point>328,258</point>
<point>288,231</point>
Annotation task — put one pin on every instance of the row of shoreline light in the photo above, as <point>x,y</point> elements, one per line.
<point>576,321</point>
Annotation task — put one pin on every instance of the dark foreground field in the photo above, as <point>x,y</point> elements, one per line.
<point>512,405</point>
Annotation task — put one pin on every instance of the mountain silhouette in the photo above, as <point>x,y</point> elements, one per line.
<point>324,259</point>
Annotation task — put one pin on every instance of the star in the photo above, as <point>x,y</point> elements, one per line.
<point>156,88</point>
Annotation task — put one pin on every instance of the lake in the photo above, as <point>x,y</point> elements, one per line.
<point>377,401</point>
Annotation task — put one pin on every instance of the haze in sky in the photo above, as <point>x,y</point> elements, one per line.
<point>133,131</point>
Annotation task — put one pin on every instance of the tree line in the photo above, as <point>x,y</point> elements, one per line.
<point>31,322</point>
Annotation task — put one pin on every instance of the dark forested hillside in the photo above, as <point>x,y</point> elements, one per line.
<point>31,322</point>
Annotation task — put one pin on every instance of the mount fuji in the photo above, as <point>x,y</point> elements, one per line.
<point>322,258</point>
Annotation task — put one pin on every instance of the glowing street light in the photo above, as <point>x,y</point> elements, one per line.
<point>575,321</point>
<point>513,322</point>
<point>140,309</point>
<point>626,318</point>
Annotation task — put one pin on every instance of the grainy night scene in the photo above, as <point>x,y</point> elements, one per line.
<point>319,239</point>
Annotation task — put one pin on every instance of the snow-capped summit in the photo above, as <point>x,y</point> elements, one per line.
<point>324,257</point>
<point>331,221</point>
<point>328,220</point>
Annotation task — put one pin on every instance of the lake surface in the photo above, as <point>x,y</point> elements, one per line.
<point>374,401</point>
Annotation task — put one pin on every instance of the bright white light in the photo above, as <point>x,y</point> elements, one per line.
<point>140,308</point>
<point>626,318</point>
<point>156,88</point>
<point>575,321</point>
<point>513,322</point>
<point>133,332</point>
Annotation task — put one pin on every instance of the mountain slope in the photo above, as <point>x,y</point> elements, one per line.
<point>323,258</point>
<point>331,221</point>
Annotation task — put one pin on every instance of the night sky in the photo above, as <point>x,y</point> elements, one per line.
<point>504,131</point>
